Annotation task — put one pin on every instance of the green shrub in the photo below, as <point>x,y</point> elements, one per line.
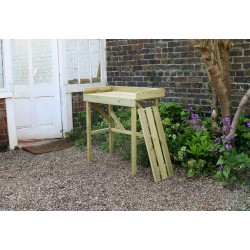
<point>193,142</point>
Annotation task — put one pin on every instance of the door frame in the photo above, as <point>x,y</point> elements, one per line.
<point>65,89</point>
<point>9,100</point>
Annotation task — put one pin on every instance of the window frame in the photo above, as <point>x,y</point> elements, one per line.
<point>6,91</point>
<point>71,88</point>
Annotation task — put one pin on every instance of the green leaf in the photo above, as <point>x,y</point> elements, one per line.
<point>217,175</point>
<point>222,149</point>
<point>246,135</point>
<point>245,119</point>
<point>226,172</point>
<point>220,161</point>
<point>191,173</point>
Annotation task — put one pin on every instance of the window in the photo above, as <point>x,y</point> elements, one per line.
<point>83,61</point>
<point>31,57</point>
<point>1,66</point>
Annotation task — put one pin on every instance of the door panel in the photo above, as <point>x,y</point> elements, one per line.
<point>23,119</point>
<point>37,95</point>
<point>45,103</point>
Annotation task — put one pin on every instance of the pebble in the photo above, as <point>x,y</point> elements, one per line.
<point>64,181</point>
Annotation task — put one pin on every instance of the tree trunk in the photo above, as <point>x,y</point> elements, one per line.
<point>217,82</point>
<point>225,64</point>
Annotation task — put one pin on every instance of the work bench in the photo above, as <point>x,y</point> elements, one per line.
<point>130,97</point>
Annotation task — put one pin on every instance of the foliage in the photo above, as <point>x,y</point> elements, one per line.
<point>242,139</point>
<point>193,142</point>
<point>122,143</point>
<point>78,134</point>
<point>206,150</point>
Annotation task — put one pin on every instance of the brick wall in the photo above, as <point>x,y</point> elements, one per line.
<point>78,105</point>
<point>175,65</point>
<point>4,141</point>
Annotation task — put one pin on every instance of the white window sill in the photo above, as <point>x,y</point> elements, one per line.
<point>80,87</point>
<point>6,94</point>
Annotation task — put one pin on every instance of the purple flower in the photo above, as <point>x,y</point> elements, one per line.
<point>190,109</point>
<point>228,146</point>
<point>223,137</point>
<point>216,140</point>
<point>224,128</point>
<point>220,166</point>
<point>197,127</point>
<point>248,124</point>
<point>227,121</point>
<point>230,138</point>
<point>218,130</point>
<point>195,116</point>
<point>213,149</point>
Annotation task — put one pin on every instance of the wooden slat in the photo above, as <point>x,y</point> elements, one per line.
<point>140,142</point>
<point>138,105</point>
<point>125,132</point>
<point>150,94</point>
<point>156,142</point>
<point>88,131</point>
<point>99,131</point>
<point>156,102</point>
<point>133,141</point>
<point>149,144</point>
<point>111,135</point>
<point>163,142</point>
<point>101,111</point>
<point>110,98</point>
<point>97,89</point>
<point>117,121</point>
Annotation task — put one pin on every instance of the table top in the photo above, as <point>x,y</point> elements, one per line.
<point>121,96</point>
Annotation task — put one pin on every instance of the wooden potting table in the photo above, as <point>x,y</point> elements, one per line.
<point>118,96</point>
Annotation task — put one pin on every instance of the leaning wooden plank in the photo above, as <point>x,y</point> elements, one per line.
<point>156,142</point>
<point>163,142</point>
<point>149,144</point>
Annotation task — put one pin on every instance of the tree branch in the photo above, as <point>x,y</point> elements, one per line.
<point>240,108</point>
<point>214,108</point>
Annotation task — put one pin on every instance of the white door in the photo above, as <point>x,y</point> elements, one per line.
<point>35,78</point>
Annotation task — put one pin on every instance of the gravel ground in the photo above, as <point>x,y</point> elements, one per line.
<point>63,180</point>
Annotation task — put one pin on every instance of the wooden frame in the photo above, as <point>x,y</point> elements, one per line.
<point>119,96</point>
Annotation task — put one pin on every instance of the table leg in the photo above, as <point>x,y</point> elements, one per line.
<point>111,134</point>
<point>156,102</point>
<point>133,141</point>
<point>88,131</point>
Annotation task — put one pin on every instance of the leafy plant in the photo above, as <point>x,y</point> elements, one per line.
<point>193,142</point>
<point>233,166</point>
